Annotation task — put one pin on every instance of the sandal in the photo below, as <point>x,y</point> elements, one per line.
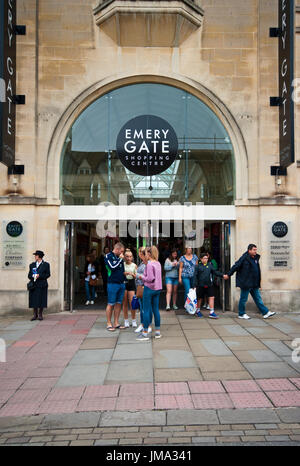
<point>110,329</point>
<point>121,327</point>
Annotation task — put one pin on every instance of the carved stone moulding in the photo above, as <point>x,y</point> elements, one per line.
<point>145,23</point>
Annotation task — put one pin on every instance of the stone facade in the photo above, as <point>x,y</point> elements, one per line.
<point>66,60</point>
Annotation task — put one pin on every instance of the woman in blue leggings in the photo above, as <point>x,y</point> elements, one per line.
<point>187,264</point>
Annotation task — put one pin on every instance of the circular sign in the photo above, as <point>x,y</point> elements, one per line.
<point>147,145</point>
<point>280,229</point>
<point>14,229</point>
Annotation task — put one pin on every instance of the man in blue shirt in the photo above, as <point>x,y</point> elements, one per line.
<point>115,285</point>
<point>248,278</point>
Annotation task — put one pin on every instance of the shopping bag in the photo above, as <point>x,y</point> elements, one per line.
<point>135,303</point>
<point>191,302</point>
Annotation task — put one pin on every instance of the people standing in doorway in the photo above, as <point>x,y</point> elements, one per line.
<point>187,264</point>
<point>39,272</point>
<point>91,272</point>
<point>115,286</point>
<point>152,287</point>
<point>103,269</point>
<point>248,278</point>
<point>172,279</point>
<point>203,283</point>
<point>130,288</point>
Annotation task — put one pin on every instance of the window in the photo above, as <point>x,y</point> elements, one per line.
<point>203,171</point>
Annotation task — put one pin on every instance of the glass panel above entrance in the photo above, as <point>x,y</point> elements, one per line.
<point>203,169</point>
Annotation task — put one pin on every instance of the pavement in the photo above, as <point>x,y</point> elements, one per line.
<point>68,381</point>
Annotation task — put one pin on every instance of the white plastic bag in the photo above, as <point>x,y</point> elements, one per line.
<point>191,302</point>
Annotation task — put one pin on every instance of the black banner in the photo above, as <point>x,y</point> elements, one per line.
<point>286,77</point>
<point>7,81</point>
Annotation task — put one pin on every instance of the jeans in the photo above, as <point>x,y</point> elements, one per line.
<point>87,291</point>
<point>115,293</point>
<point>187,283</point>
<point>141,311</point>
<point>255,293</point>
<point>151,307</point>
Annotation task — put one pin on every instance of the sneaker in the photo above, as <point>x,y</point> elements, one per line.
<point>168,308</point>
<point>134,324</point>
<point>139,329</point>
<point>157,335</point>
<point>269,314</point>
<point>199,313</point>
<point>213,315</point>
<point>207,307</point>
<point>126,324</point>
<point>149,329</point>
<point>175,307</point>
<point>244,316</point>
<point>87,303</point>
<point>92,302</point>
<point>142,337</point>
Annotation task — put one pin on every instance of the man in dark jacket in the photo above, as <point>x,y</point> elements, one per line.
<point>203,283</point>
<point>248,278</point>
<point>39,272</point>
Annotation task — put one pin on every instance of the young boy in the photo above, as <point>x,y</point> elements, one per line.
<point>203,283</point>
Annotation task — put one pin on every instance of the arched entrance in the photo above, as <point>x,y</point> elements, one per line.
<point>205,169</point>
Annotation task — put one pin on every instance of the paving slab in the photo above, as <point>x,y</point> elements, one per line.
<point>216,347</point>
<point>177,375</point>
<point>121,418</point>
<point>229,330</point>
<point>264,355</point>
<point>168,358</point>
<point>226,375</point>
<point>248,416</point>
<point>278,347</point>
<point>289,415</point>
<point>132,351</point>
<point>219,363</point>
<point>76,375</point>
<point>243,343</point>
<point>192,417</point>
<point>129,371</point>
<point>93,356</point>
<point>71,420</point>
<point>98,343</point>
<point>261,370</point>
<point>101,332</point>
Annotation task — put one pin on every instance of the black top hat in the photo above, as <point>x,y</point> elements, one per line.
<point>39,253</point>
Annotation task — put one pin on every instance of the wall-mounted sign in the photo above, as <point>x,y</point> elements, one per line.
<point>280,245</point>
<point>286,77</point>
<point>13,245</point>
<point>14,229</point>
<point>8,80</point>
<point>147,145</point>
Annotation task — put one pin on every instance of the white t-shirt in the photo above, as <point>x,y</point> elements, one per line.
<point>91,268</point>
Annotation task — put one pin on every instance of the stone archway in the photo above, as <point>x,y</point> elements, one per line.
<point>95,91</point>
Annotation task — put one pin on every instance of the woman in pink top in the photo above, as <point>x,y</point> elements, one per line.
<point>152,288</point>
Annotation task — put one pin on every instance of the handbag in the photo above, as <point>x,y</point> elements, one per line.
<point>139,291</point>
<point>135,303</point>
<point>30,285</point>
<point>93,282</point>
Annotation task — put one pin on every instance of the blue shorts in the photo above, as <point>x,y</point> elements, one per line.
<point>115,293</point>
<point>171,281</point>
